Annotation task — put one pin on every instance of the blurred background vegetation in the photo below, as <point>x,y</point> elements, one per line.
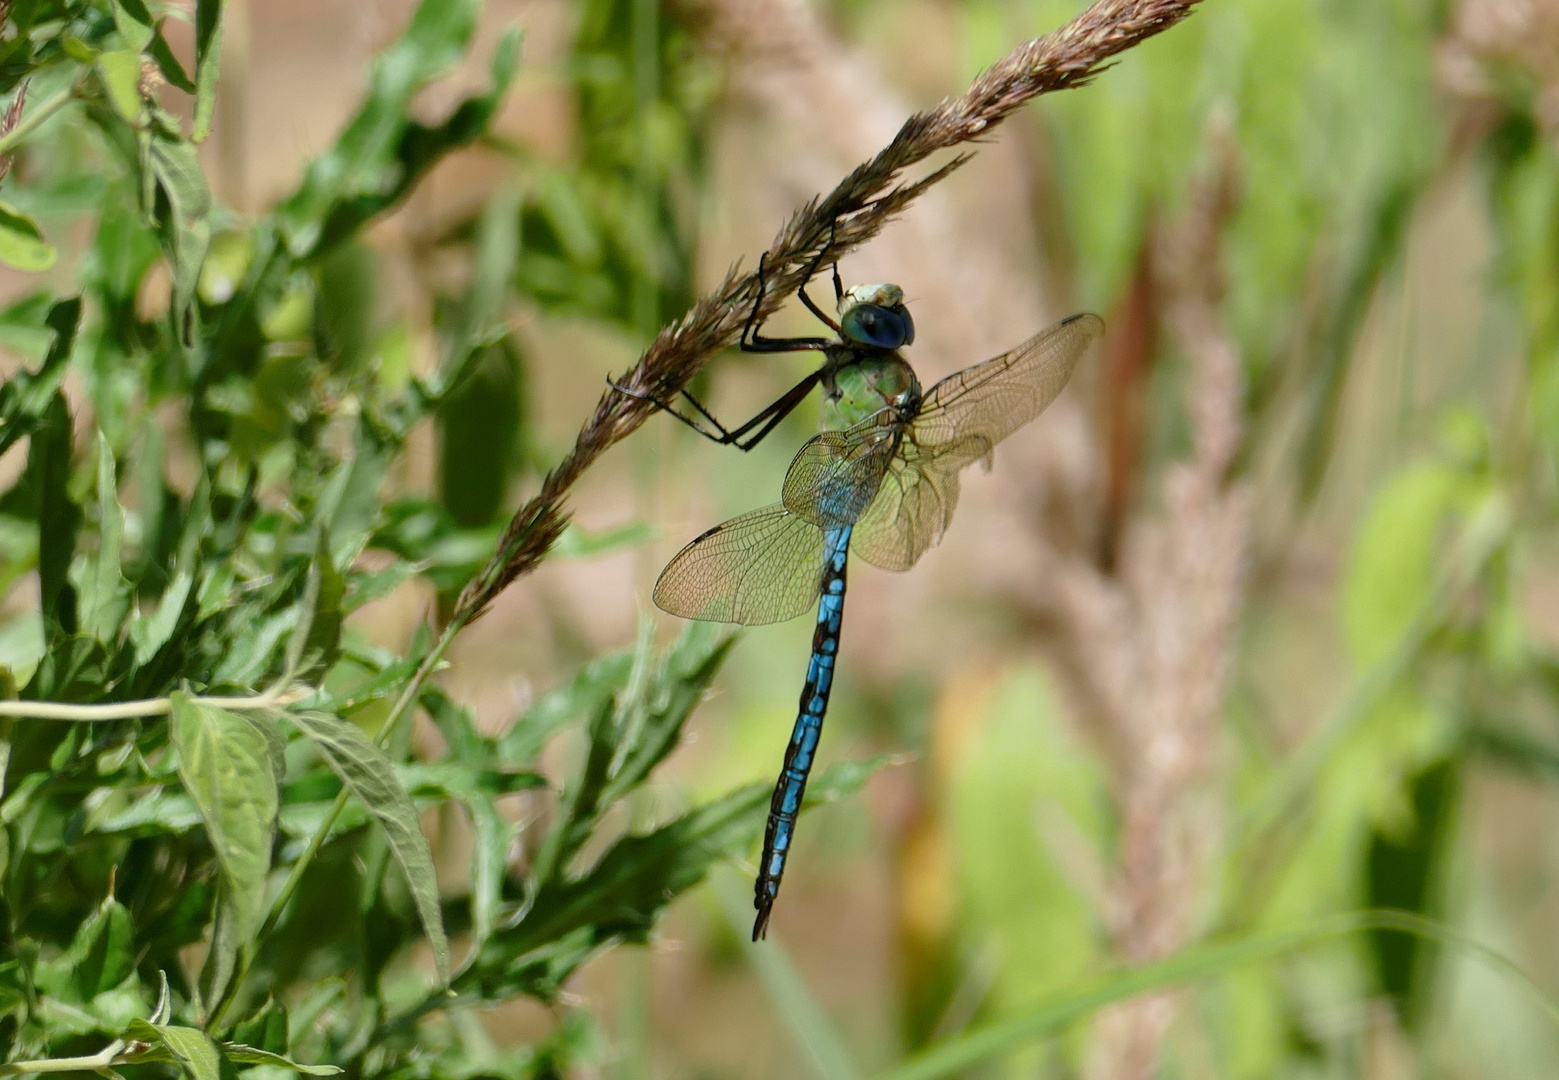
<point>1254,628</point>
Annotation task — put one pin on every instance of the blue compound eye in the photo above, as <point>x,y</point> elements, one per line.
<point>880,327</point>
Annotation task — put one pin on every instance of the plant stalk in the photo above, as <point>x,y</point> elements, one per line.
<point>130,710</point>
<point>35,119</point>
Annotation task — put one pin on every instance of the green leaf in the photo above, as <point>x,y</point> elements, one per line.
<point>576,543</point>
<point>593,684</point>
<point>224,760</point>
<point>134,24</point>
<point>105,598</point>
<point>193,1050</point>
<point>686,673</point>
<point>347,284</point>
<point>1406,871</point>
<point>104,950</point>
<point>489,862</point>
<point>369,775</point>
<point>381,155</point>
<point>620,896</point>
<point>121,71</point>
<point>266,1030</point>
<point>1393,564</point>
<point>208,58</point>
<point>186,231</point>
<point>481,322</point>
<point>249,1055</point>
<point>25,396</point>
<point>22,245</point>
<point>59,518</point>
<point>479,435</point>
<point>317,639</point>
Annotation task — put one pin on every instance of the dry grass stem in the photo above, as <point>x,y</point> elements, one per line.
<point>859,206</point>
<point>1157,641</point>
<point>1489,35</point>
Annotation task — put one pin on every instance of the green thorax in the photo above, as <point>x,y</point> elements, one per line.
<point>867,374</point>
<point>867,384</point>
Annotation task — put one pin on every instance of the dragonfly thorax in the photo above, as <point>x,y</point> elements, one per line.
<point>870,384</point>
<point>875,316</point>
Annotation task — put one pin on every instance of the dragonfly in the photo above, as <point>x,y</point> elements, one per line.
<point>873,323</point>
<point>881,480</point>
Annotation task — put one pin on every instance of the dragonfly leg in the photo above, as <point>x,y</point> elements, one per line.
<point>753,341</point>
<point>833,231</point>
<point>741,437</point>
<point>722,437</point>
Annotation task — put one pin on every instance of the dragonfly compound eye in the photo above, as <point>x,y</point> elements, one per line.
<point>877,326</point>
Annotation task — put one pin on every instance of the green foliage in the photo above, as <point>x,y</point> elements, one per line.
<point>252,781</point>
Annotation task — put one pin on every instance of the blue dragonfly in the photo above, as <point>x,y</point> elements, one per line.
<point>881,479</point>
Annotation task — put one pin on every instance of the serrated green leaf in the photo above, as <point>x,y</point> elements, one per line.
<point>208,59</point>
<point>620,896</point>
<point>194,1051</point>
<point>366,586</point>
<point>686,673</point>
<point>594,683</point>
<point>368,774</point>
<point>21,242</point>
<point>489,862</point>
<point>224,760</point>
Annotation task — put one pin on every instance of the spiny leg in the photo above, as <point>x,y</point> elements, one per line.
<point>769,418</point>
<point>799,755</point>
<point>753,341</point>
<point>833,231</point>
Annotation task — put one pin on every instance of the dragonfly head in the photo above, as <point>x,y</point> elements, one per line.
<point>875,315</point>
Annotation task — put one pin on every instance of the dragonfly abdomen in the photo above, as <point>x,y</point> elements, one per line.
<point>801,752</point>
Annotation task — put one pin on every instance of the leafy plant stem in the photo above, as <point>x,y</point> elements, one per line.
<point>130,710</point>
<point>99,1062</point>
<point>383,737</point>
<point>35,119</point>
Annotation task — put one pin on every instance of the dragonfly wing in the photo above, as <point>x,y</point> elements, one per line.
<point>915,503</point>
<point>761,567</point>
<point>994,399</point>
<point>835,475</point>
<point>962,419</point>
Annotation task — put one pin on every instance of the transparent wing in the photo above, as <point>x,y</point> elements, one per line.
<point>835,475</point>
<point>761,567</point>
<point>962,419</point>
<point>994,399</point>
<point>914,503</point>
